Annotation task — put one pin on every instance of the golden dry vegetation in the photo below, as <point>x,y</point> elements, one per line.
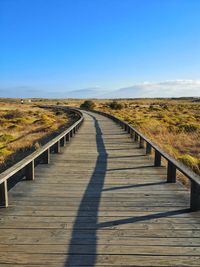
<point>23,126</point>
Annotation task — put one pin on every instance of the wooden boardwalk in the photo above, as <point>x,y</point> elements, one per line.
<point>100,202</point>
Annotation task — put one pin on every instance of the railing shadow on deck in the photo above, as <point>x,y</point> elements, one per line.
<point>133,186</point>
<point>132,168</point>
<point>90,251</point>
<point>144,218</point>
<point>130,156</point>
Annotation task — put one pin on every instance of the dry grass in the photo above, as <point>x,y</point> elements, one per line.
<point>22,126</point>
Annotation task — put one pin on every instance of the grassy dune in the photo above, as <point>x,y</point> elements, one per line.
<point>22,128</point>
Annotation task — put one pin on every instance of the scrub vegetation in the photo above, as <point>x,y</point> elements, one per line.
<point>24,127</point>
<point>88,105</point>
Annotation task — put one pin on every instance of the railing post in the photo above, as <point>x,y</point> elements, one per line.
<point>132,133</point>
<point>29,171</point>
<point>67,137</point>
<point>141,144</point>
<point>57,147</point>
<point>157,159</point>
<point>63,141</point>
<point>46,157</point>
<point>171,172</point>
<point>74,130</point>
<point>71,133</point>
<point>129,130</point>
<point>136,137</point>
<point>195,196</point>
<point>4,194</point>
<point>148,149</point>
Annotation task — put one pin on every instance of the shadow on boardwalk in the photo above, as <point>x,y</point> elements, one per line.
<point>78,236</point>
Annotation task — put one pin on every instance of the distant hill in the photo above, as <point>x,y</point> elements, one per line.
<point>165,89</point>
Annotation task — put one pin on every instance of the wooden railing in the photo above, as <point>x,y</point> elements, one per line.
<point>172,164</point>
<point>28,163</point>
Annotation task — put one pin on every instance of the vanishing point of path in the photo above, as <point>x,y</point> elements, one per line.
<point>100,202</point>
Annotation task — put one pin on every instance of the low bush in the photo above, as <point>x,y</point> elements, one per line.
<point>14,114</point>
<point>6,138</point>
<point>190,161</point>
<point>115,105</point>
<point>4,152</point>
<point>188,128</point>
<point>154,107</point>
<point>88,104</point>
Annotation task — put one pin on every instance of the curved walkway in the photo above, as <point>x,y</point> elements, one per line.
<point>100,202</point>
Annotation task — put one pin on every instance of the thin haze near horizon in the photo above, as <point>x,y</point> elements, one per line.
<point>115,48</point>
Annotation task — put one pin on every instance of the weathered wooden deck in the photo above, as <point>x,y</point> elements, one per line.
<point>101,202</point>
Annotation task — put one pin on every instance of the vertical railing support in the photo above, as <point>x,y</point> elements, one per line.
<point>148,149</point>
<point>4,194</point>
<point>171,172</point>
<point>157,159</point>
<point>68,137</point>
<point>29,171</point>
<point>57,147</point>
<point>71,133</point>
<point>63,141</point>
<point>46,157</point>
<point>195,196</point>
<point>136,137</point>
<point>132,134</point>
<point>141,143</point>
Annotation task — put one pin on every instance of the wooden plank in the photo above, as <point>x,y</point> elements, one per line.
<point>120,241</point>
<point>100,260</point>
<point>90,224</point>
<point>110,250</point>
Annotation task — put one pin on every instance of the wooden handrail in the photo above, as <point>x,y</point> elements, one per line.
<point>28,162</point>
<point>172,164</point>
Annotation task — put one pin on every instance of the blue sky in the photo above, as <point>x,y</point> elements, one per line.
<point>65,45</point>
